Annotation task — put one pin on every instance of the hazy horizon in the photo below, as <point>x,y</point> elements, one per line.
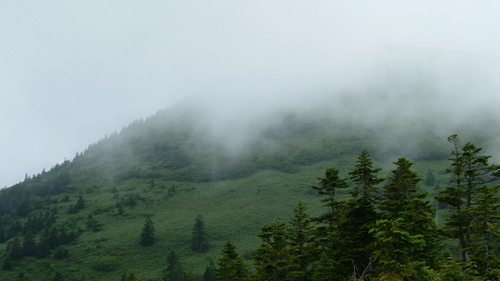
<point>72,73</point>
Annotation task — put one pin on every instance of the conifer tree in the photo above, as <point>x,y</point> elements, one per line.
<point>58,277</point>
<point>272,261</point>
<point>328,187</point>
<point>230,266</point>
<point>209,273</point>
<point>407,217</point>
<point>29,245</point>
<point>351,245</point>
<point>43,248</point>
<point>132,277</point>
<point>429,178</point>
<point>477,173</point>
<point>300,240</point>
<point>365,177</point>
<point>454,197</point>
<point>7,263</point>
<point>16,251</point>
<point>199,242</point>
<point>2,233</point>
<point>148,233</point>
<point>486,226</point>
<point>402,183</point>
<point>326,268</point>
<point>395,248</point>
<point>174,270</point>
<point>80,204</point>
<point>471,172</point>
<point>351,242</point>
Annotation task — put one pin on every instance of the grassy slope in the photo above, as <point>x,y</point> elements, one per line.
<point>232,209</point>
<point>270,177</point>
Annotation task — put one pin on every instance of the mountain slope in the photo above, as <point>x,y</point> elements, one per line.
<point>174,166</point>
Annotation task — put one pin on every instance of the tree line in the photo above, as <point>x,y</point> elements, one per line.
<point>386,229</point>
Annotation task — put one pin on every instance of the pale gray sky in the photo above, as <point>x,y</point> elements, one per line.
<point>73,71</point>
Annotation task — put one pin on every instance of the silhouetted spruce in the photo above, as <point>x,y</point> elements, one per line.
<point>148,233</point>
<point>199,242</point>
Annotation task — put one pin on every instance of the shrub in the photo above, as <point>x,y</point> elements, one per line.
<point>61,253</point>
<point>106,264</point>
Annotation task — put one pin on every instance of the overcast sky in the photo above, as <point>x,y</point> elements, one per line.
<point>73,71</point>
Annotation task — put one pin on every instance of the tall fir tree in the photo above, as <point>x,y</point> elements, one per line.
<point>394,250</point>
<point>199,241</point>
<point>328,188</point>
<point>209,273</point>
<point>148,233</point>
<point>174,270</point>
<point>15,249</point>
<point>486,227</point>
<point>476,174</point>
<point>300,240</point>
<point>471,171</point>
<point>454,195</point>
<point>402,183</point>
<point>407,216</point>
<point>29,245</point>
<point>365,178</point>
<point>351,245</point>
<point>230,266</point>
<point>272,261</point>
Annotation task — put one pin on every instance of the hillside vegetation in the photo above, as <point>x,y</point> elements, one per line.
<point>83,219</point>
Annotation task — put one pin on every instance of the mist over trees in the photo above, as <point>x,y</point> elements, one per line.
<point>392,236</point>
<point>153,165</point>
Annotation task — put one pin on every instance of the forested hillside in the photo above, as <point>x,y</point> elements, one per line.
<point>163,197</point>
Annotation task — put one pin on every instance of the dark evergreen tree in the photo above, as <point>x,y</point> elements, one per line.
<point>199,241</point>
<point>351,245</point>
<point>43,248</point>
<point>21,276</point>
<point>80,203</point>
<point>471,172</point>
<point>394,249</point>
<point>407,217</point>
<point>328,187</point>
<point>430,180</point>
<point>61,253</point>
<point>7,263</point>
<point>273,260</point>
<point>121,211</point>
<point>15,229</point>
<point>63,235</point>
<point>132,277</point>
<point>58,277</point>
<point>301,242</point>
<point>174,270</point>
<point>454,197</point>
<point>486,228</point>
<point>326,268</point>
<point>230,266</point>
<point>148,233</point>
<point>16,250</point>
<point>365,178</point>
<point>93,224</point>
<point>54,238</point>
<point>29,245</point>
<point>477,173</point>
<point>209,273</point>
<point>402,183</point>
<point>2,234</point>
